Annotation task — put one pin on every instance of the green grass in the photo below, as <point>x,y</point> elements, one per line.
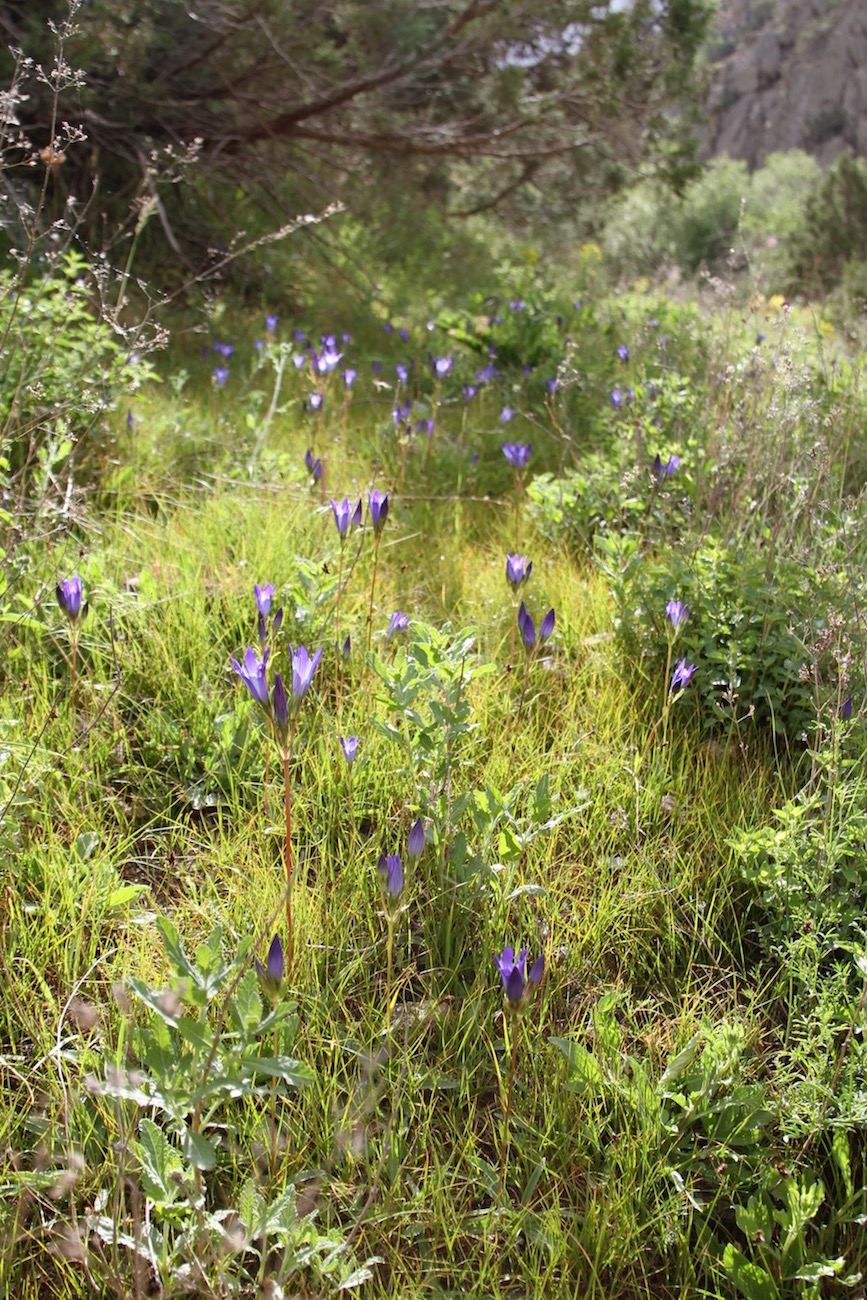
<point>151,798</point>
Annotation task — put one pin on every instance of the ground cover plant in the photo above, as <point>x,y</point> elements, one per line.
<point>433,809</point>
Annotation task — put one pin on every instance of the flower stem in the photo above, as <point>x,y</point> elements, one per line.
<point>388,976</point>
<point>504,1149</point>
<point>274,1118</point>
<point>287,808</point>
<point>372,590</point>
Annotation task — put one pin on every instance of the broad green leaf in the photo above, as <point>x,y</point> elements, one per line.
<point>159,1162</point>
<point>200,1153</point>
<point>751,1280</point>
<point>583,1071</point>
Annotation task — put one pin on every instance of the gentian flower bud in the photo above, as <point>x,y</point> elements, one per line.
<point>846,708</point>
<point>254,674</point>
<point>398,623</point>
<point>264,595</point>
<point>623,352</point>
<point>682,676</point>
<point>303,668</point>
<point>349,376</point>
<point>346,648</point>
<point>442,366</point>
<point>506,415</point>
<point>280,704</point>
<point>349,745</point>
<point>517,453</point>
<point>518,990</point>
<point>221,374</point>
<point>68,594</point>
<point>378,505</point>
<point>316,400</point>
<point>547,626</point>
<point>271,324</point>
<point>415,843</point>
<point>390,871</point>
<point>518,569</point>
<point>677,613</point>
<point>272,976</point>
<point>526,627</point>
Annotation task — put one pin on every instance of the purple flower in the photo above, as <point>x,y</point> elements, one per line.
<point>616,398</point>
<point>346,648</point>
<point>221,374</point>
<point>129,420</point>
<point>401,371</point>
<point>661,471</point>
<point>442,366</point>
<point>299,359</point>
<point>344,515</point>
<point>388,327</point>
<point>511,970</point>
<point>303,668</point>
<point>271,324</point>
<point>397,623</point>
<point>518,569</point>
<point>349,745</point>
<point>551,386</point>
<point>506,415</point>
<point>258,345</point>
<point>377,503</point>
<point>470,391</point>
<point>317,469</point>
<point>517,304</point>
<point>264,595</point>
<point>486,374</point>
<point>299,336</point>
<point>280,705</point>
<point>68,594</point>
<point>254,674</point>
<point>224,350</point>
<point>271,976</point>
<point>682,676</point>
<point>376,367</point>
<point>349,376</point>
<point>677,613</point>
<point>526,627</point>
<point>308,460</point>
<point>426,427</point>
<point>326,361</point>
<point>404,334</point>
<point>630,394</point>
<point>623,352</point>
<point>415,843</point>
<point>390,871</point>
<point>400,415</point>
<point>316,400</point>
<point>547,626</point>
<point>346,338</point>
<point>517,453</point>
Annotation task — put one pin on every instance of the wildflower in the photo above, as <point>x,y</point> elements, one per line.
<point>316,400</point>
<point>254,675</point>
<point>272,976</point>
<point>518,569</point>
<point>517,453</point>
<point>271,324</point>
<point>376,367</point>
<point>616,398</point>
<point>308,460</point>
<point>846,708</point>
<point>517,304</point>
<point>325,362</point>
<point>415,843</point>
<point>506,415</point>
<point>486,374</point>
<point>299,336</point>
<point>346,648</point>
<point>221,374</point>
<point>388,327</point>
<point>469,391</point>
<point>551,386</point>
<point>404,334</point>
<point>68,594</point>
<point>129,420</point>
<point>264,596</point>
<point>224,350</point>
<point>349,376</point>
<point>623,352</point>
<point>258,345</point>
<point>662,471</point>
<point>378,505</point>
<point>677,613</point>
<point>317,469</point>
<point>344,515</point>
<point>346,338</point>
<point>280,706</point>
<point>516,988</point>
<point>546,627</point>
<point>682,676</point>
<point>303,668</point>
<point>399,622</point>
<point>349,745</point>
<point>390,871</point>
<point>442,366</point>
<point>401,371</point>
<point>426,427</point>
<point>299,360</point>
<point>400,415</point>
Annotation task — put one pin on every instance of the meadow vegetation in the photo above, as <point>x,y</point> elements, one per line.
<point>659,790</point>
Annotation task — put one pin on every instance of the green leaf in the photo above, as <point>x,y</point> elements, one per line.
<point>200,1153</point>
<point>583,1071</point>
<point>677,1065</point>
<point>159,1162</point>
<point>290,1071</point>
<point>751,1280</point>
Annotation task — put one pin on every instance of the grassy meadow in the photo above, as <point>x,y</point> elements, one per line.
<point>677,1106</point>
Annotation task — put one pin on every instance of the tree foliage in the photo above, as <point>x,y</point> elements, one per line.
<point>467,102</point>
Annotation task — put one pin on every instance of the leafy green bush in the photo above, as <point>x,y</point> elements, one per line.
<point>835,225</point>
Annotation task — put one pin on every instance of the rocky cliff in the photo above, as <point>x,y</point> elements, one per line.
<point>788,74</point>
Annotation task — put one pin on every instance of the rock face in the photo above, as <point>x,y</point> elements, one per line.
<point>788,74</point>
